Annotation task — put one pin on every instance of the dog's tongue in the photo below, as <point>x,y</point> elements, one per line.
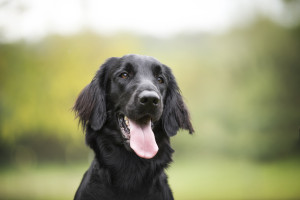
<point>142,139</point>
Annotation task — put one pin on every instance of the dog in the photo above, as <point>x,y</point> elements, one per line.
<point>129,111</point>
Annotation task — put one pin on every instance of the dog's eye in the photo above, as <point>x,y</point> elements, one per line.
<point>124,75</point>
<point>160,79</point>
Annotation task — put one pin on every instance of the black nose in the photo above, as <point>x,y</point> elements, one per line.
<point>149,98</point>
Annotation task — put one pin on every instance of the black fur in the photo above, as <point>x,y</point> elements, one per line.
<point>117,172</point>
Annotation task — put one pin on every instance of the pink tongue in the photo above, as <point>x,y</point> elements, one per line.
<point>142,140</point>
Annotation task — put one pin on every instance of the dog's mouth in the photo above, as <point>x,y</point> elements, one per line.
<point>139,135</point>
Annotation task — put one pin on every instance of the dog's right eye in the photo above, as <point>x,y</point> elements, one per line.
<point>124,75</point>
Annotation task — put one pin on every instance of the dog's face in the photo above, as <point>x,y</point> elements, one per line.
<point>138,88</point>
<point>138,92</point>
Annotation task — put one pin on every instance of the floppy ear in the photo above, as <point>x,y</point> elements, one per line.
<point>175,115</point>
<point>90,105</point>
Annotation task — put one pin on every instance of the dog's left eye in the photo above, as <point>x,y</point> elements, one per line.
<point>160,79</point>
<point>124,75</point>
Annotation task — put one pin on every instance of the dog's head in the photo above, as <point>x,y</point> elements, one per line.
<point>139,93</point>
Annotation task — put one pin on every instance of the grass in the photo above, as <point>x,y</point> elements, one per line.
<point>190,180</point>
<point>223,179</point>
<point>47,182</point>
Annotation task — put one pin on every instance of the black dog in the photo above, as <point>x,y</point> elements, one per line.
<point>129,111</point>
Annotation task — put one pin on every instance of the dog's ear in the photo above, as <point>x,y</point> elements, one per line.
<point>90,105</point>
<point>175,115</point>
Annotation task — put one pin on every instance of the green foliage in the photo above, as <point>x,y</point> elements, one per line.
<point>40,82</point>
<point>242,89</point>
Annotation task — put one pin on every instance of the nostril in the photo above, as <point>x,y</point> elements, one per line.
<point>144,100</point>
<point>155,101</point>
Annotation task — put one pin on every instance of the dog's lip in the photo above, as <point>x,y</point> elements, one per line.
<point>139,118</point>
<point>142,120</point>
<point>124,126</point>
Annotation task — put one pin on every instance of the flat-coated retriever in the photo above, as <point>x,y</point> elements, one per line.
<point>129,111</point>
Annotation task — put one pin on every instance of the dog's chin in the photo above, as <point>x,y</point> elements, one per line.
<point>138,135</point>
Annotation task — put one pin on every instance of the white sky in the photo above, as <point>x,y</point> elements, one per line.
<point>31,19</point>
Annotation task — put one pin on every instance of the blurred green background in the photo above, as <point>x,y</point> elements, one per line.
<point>242,87</point>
